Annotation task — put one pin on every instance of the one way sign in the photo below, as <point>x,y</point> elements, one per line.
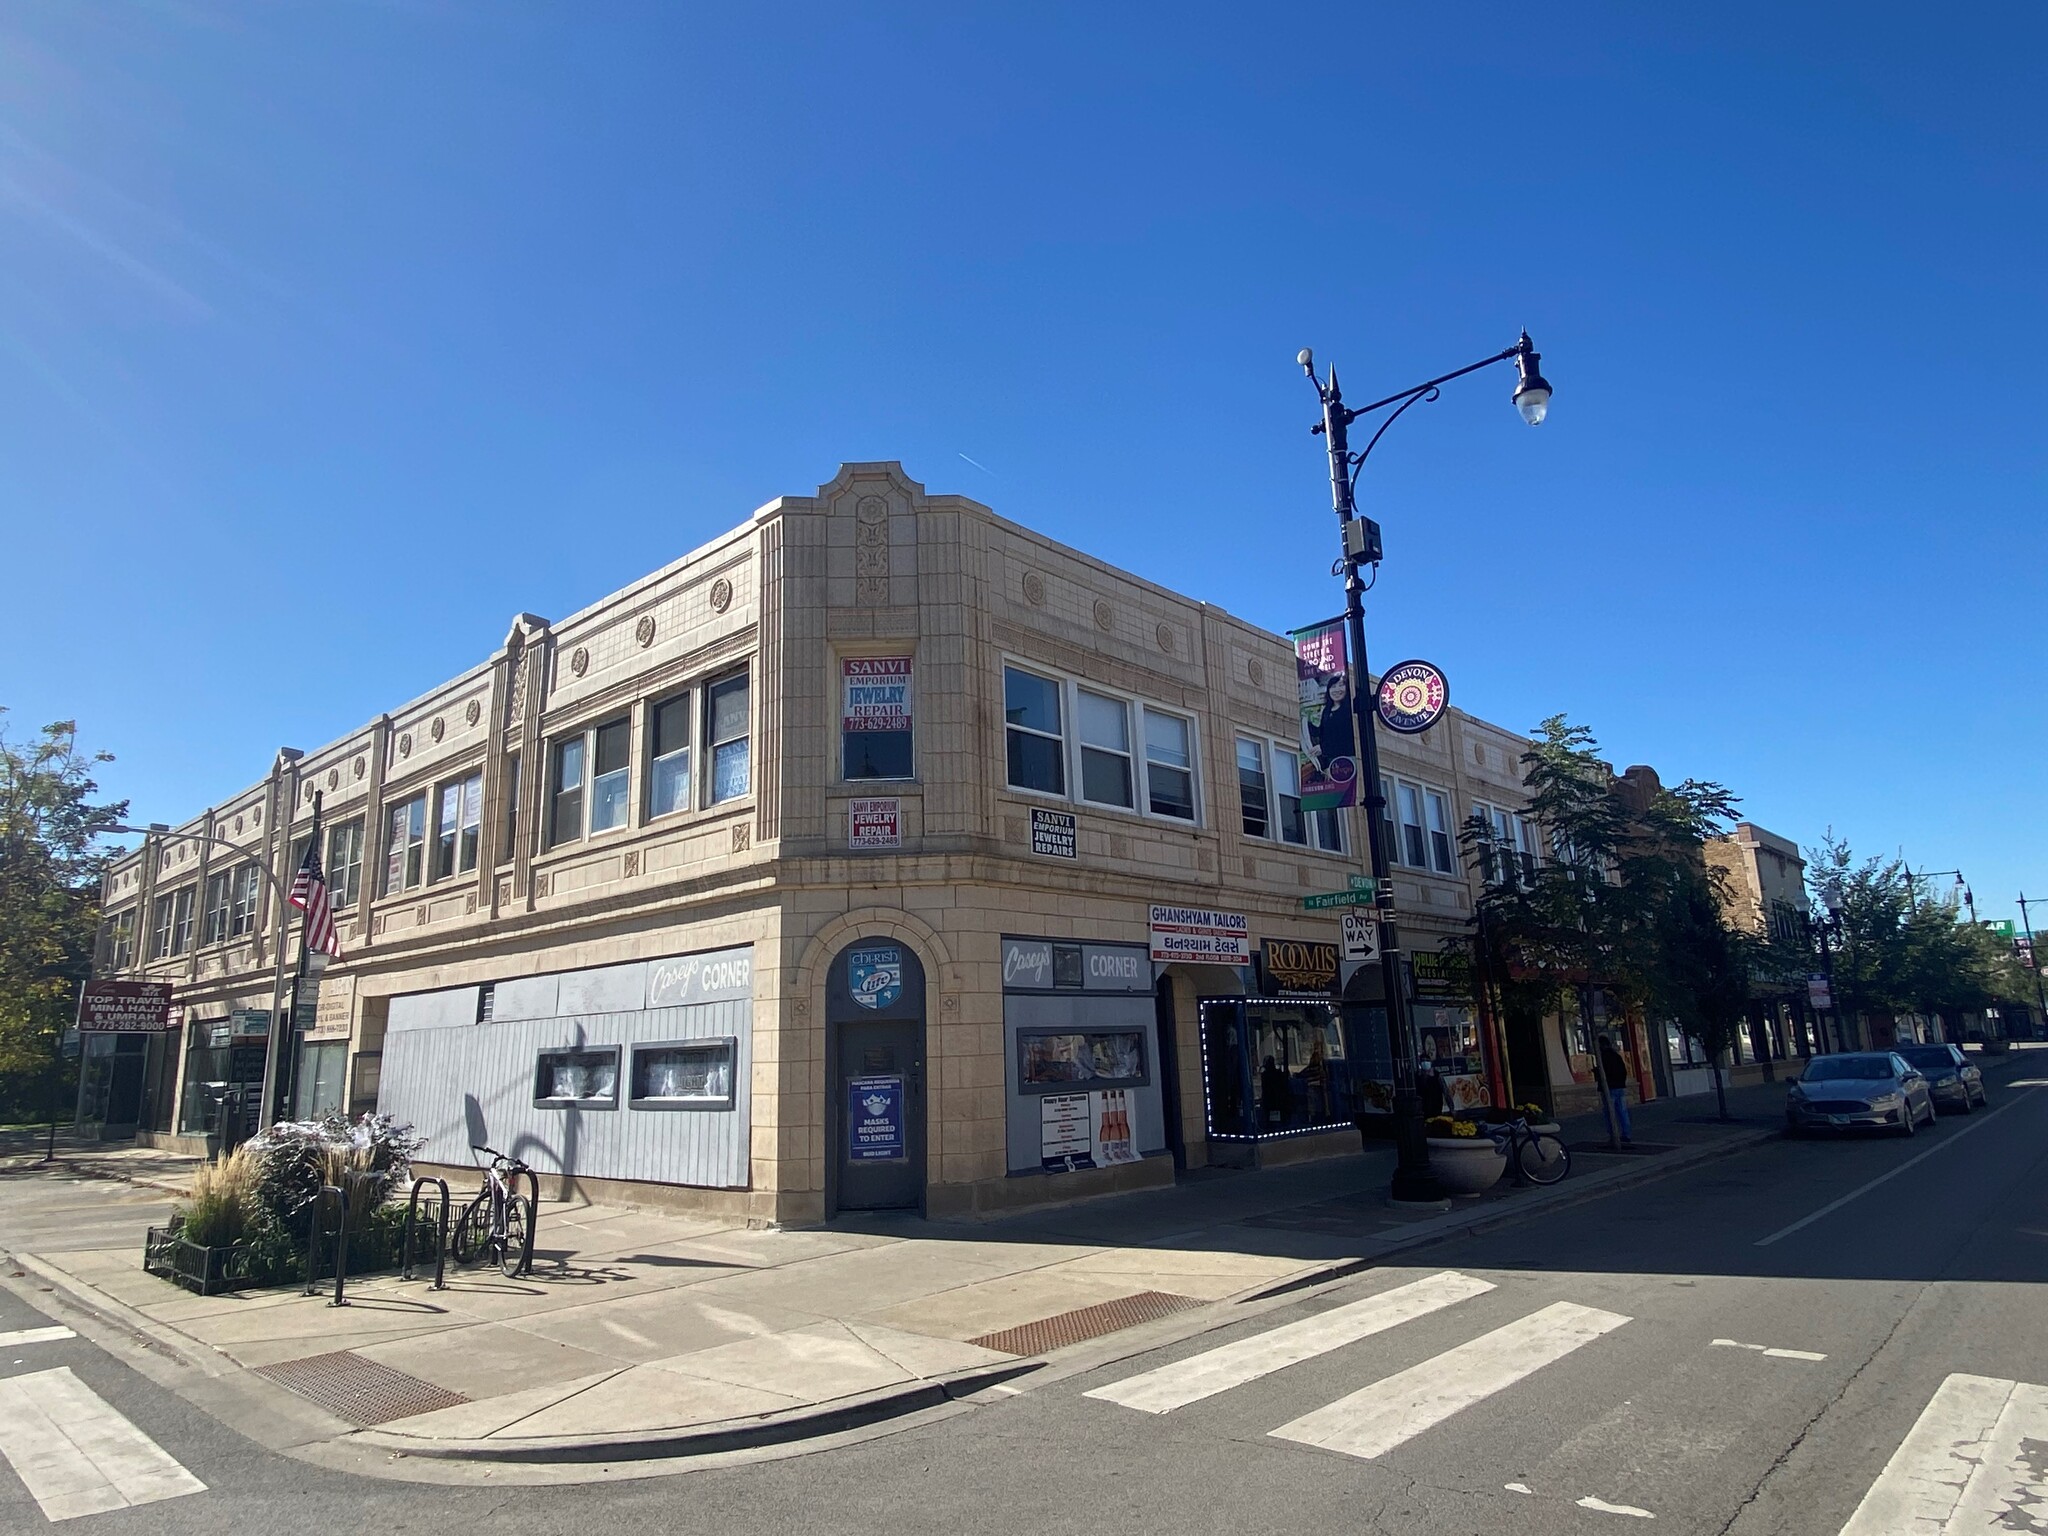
<point>1361,937</point>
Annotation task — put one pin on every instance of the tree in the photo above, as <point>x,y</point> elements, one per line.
<point>51,866</point>
<point>1626,900</point>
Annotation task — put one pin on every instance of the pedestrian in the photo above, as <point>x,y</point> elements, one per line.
<point>1614,1068</point>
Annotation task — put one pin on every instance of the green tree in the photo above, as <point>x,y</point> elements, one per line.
<point>51,864</point>
<point>1626,899</point>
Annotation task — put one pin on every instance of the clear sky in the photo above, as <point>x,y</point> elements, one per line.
<point>334,334</point>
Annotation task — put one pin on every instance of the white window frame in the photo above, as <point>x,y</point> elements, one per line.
<point>213,910</point>
<point>460,787</point>
<point>345,845</point>
<point>1510,834</point>
<point>691,700</point>
<point>244,894</point>
<point>1136,751</point>
<point>1066,789</point>
<point>400,885</point>
<point>1395,823</point>
<point>1321,831</point>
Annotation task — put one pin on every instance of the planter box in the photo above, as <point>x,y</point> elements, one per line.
<point>1466,1165</point>
<point>209,1271</point>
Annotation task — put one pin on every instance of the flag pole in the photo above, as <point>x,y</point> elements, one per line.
<point>283,933</point>
<point>288,1065</point>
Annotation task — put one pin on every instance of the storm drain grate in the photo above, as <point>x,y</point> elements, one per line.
<point>359,1390</point>
<point>1050,1333</point>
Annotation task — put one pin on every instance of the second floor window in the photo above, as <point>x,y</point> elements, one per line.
<point>458,823</point>
<point>120,940</point>
<point>668,743</point>
<point>405,845</point>
<point>1417,825</point>
<point>727,720</point>
<point>214,924</point>
<point>1253,789</point>
<point>244,888</point>
<point>1510,849</point>
<point>510,840</point>
<point>1035,742</point>
<point>171,923</point>
<point>345,864</point>
<point>593,775</point>
<point>1125,753</point>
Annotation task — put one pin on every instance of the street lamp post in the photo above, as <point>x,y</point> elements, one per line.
<point>2034,959</point>
<point>1360,540</point>
<point>1828,928</point>
<point>1969,901</point>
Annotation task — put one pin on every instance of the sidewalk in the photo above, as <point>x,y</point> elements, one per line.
<point>653,1334</point>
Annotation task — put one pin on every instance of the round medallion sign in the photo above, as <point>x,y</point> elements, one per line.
<point>1412,697</point>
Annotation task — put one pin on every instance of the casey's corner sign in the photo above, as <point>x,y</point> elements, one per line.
<point>1199,935</point>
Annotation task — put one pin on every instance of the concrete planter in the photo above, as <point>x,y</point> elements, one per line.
<point>1466,1165</point>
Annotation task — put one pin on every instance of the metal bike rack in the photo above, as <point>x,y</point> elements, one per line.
<point>420,1186</point>
<point>532,1220</point>
<point>314,1224</point>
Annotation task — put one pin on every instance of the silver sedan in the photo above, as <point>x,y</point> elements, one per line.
<point>1878,1090</point>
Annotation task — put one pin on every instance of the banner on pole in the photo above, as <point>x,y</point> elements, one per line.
<point>1329,736</point>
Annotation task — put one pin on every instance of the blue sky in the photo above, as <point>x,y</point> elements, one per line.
<point>332,335</point>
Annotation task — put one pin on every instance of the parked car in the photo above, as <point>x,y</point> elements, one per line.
<point>1951,1076</point>
<point>1867,1089</point>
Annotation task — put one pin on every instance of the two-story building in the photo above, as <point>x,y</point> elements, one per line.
<point>877,853</point>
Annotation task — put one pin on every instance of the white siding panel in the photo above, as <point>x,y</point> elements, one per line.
<point>527,997</point>
<point>609,989</point>
<point>460,1084</point>
<point>432,1010</point>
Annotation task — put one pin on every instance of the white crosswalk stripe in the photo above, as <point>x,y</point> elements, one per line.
<point>1965,1467</point>
<point>1232,1365</point>
<point>1389,1413</point>
<point>76,1454</point>
<point>35,1336</point>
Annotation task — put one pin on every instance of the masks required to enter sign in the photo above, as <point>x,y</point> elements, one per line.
<point>874,1120</point>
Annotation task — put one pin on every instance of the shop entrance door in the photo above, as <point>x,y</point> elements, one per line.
<point>875,1001</point>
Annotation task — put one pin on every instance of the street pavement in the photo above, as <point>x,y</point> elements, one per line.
<point>1804,1337</point>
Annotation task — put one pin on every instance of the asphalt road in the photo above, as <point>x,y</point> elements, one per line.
<point>1571,1382</point>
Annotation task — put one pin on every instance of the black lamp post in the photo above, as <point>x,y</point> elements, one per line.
<point>2034,960</point>
<point>1828,929</point>
<point>1361,545</point>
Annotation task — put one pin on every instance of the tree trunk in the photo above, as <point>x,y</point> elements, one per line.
<point>1606,1102</point>
<point>1720,1089</point>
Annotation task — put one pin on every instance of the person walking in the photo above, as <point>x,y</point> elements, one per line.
<point>1614,1069</point>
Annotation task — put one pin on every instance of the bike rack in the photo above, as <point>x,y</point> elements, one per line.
<point>420,1186</point>
<point>314,1223</point>
<point>532,1220</point>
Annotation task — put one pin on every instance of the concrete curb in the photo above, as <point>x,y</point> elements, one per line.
<point>808,1423</point>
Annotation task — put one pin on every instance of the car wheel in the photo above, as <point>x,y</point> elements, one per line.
<point>1930,1109</point>
<point>1910,1122</point>
<point>1968,1102</point>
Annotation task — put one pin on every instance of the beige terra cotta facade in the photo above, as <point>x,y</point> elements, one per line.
<point>871,566</point>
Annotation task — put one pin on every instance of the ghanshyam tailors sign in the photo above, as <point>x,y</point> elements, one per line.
<point>1329,736</point>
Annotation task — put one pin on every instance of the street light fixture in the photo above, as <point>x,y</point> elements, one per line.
<point>1360,542</point>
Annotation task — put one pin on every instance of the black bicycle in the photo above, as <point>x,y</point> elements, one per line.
<point>498,1223</point>
<point>1536,1156</point>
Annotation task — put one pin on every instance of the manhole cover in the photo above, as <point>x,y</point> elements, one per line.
<point>359,1390</point>
<point>1050,1333</point>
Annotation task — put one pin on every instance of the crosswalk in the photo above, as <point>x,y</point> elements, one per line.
<point>74,1452</point>
<point>1974,1463</point>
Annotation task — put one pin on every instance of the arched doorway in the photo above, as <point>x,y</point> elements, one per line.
<point>874,1042</point>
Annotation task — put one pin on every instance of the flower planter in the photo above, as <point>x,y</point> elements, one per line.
<point>209,1271</point>
<point>1466,1165</point>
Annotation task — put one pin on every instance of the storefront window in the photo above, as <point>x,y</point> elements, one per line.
<point>683,1076</point>
<point>1449,1074</point>
<point>588,1079</point>
<point>1055,1060</point>
<point>1275,1066</point>
<point>322,1065</point>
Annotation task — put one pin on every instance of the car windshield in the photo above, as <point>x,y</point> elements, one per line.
<point>1931,1058</point>
<point>1836,1069</point>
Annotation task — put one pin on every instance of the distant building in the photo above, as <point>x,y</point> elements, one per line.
<point>1765,895</point>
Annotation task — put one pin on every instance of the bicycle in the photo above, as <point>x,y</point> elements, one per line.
<point>498,1223</point>
<point>1536,1156</point>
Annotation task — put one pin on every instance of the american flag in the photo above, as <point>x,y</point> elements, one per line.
<point>309,895</point>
